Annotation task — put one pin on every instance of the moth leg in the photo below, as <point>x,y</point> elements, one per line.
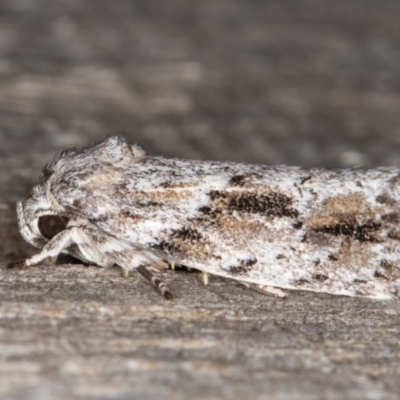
<point>265,289</point>
<point>50,251</point>
<point>159,285</point>
<point>205,277</point>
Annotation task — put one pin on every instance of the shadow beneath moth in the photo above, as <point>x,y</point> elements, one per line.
<point>267,227</point>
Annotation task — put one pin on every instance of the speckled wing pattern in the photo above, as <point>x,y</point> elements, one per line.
<point>334,231</point>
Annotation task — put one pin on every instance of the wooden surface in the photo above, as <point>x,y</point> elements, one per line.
<point>312,83</point>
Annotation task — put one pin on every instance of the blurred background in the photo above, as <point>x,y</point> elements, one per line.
<point>310,82</point>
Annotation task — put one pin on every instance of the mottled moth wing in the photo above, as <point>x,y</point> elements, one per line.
<point>320,230</point>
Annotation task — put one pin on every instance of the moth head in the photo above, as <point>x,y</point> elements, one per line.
<point>41,217</point>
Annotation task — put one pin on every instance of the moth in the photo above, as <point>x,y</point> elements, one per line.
<point>268,227</point>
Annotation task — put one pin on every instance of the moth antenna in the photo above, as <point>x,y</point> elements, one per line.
<point>159,285</point>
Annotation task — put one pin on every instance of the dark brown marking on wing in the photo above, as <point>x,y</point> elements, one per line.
<point>129,215</point>
<point>362,232</point>
<point>301,281</point>
<point>320,277</point>
<point>173,185</point>
<point>359,281</point>
<point>272,204</point>
<point>250,261</point>
<point>237,180</point>
<point>77,203</point>
<point>393,234</point>
<point>305,179</point>
<point>384,198</point>
<point>167,247</point>
<point>393,217</point>
<point>388,270</point>
<point>205,210</point>
<point>379,274</point>
<point>208,214</point>
<point>149,203</point>
<point>243,268</point>
<point>238,270</point>
<point>187,234</point>
<point>298,225</point>
<point>386,264</point>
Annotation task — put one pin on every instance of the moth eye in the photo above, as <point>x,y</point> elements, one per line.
<point>50,225</point>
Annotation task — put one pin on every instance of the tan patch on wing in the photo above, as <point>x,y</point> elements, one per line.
<point>102,179</point>
<point>350,224</point>
<point>354,253</point>
<point>167,194</point>
<point>345,204</point>
<point>350,216</point>
<point>338,210</point>
<point>248,227</point>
